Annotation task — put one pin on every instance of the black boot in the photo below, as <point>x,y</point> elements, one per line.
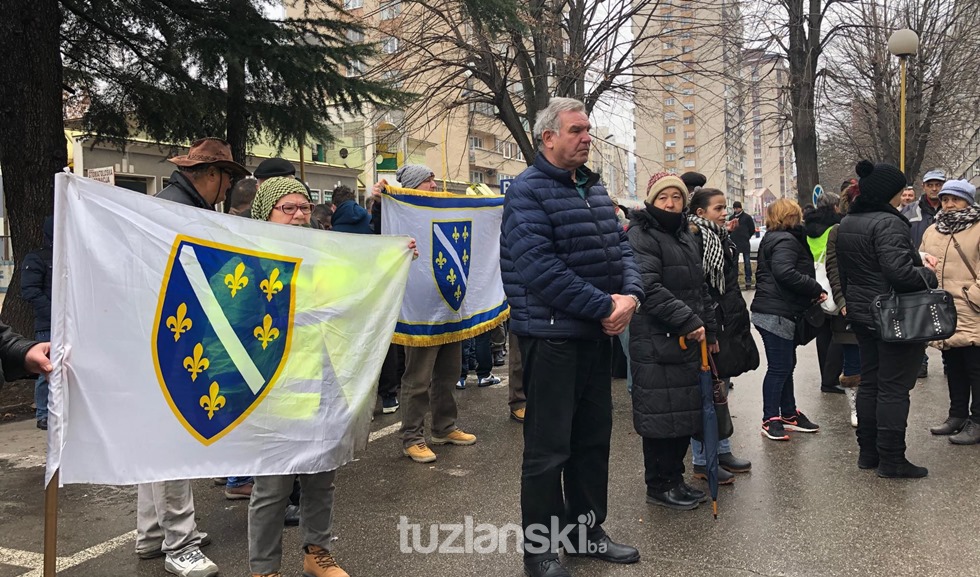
<point>970,435</point>
<point>867,434</point>
<point>673,498</point>
<point>894,465</point>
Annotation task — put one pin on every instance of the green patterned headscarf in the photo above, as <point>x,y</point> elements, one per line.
<point>271,191</point>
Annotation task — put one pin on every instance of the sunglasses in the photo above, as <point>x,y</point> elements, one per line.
<point>290,208</point>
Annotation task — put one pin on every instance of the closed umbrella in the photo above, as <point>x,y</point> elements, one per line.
<point>710,423</point>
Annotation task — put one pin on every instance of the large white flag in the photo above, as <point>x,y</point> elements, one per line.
<point>188,343</point>
<point>454,290</point>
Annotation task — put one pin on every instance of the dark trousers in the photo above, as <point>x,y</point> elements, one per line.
<point>830,355</point>
<point>778,398</point>
<point>963,377</point>
<point>663,462</point>
<point>746,253</point>
<point>392,370</point>
<point>888,373</point>
<point>484,357</point>
<point>567,428</point>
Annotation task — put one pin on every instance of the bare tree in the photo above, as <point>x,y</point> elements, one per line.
<point>943,89</point>
<point>509,57</point>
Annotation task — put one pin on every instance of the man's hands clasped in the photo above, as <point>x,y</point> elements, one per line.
<point>623,308</point>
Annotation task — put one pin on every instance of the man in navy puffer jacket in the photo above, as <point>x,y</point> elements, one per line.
<point>571,282</point>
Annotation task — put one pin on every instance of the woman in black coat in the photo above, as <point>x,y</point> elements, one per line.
<point>666,398</point>
<point>875,256</point>
<point>785,289</point>
<point>735,352</point>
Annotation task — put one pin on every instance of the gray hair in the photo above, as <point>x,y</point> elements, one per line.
<point>548,118</point>
<point>828,200</point>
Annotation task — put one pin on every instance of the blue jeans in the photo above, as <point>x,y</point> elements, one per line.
<point>777,386</point>
<point>624,339</point>
<point>697,447</point>
<point>237,481</point>
<point>852,360</point>
<point>41,385</point>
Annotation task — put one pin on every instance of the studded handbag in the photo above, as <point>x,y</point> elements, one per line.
<point>917,317</point>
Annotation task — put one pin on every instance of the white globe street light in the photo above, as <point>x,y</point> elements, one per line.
<point>903,43</point>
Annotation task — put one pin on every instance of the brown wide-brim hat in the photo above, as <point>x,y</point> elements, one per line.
<point>210,151</point>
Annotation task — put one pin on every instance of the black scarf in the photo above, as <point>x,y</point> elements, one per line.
<point>669,221</point>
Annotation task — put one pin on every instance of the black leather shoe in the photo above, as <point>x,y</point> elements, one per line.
<point>292,515</point>
<point>546,568</point>
<point>673,498</point>
<point>693,493</point>
<point>724,476</point>
<point>970,435</point>
<point>733,464</point>
<point>950,426</point>
<point>42,424</point>
<point>605,549</point>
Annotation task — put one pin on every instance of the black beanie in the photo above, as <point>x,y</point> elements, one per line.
<point>879,183</point>
<point>274,167</point>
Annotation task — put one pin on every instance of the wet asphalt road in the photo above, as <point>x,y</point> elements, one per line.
<point>804,510</point>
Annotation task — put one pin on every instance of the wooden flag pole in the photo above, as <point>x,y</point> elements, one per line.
<point>51,526</point>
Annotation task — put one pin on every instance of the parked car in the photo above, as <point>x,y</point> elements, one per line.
<point>760,231</point>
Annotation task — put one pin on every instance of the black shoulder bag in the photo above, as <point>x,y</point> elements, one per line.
<point>917,317</point>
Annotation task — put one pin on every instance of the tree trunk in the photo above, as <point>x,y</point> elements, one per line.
<point>32,142</point>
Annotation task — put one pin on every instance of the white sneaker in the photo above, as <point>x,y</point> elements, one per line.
<point>852,401</point>
<point>488,381</point>
<point>190,563</point>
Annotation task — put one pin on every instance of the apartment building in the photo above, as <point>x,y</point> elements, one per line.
<point>768,136</point>
<point>689,113</point>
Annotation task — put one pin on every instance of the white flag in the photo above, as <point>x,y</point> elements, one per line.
<point>454,290</point>
<point>188,343</point>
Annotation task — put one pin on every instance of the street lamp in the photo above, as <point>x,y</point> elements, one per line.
<point>903,43</point>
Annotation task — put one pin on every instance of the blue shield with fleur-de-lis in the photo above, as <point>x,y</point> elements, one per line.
<point>451,256</point>
<point>222,332</point>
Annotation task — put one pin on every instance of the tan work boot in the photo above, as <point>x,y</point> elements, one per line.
<point>318,562</point>
<point>420,453</point>
<point>518,415</point>
<point>456,437</point>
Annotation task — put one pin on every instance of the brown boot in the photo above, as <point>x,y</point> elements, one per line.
<point>318,562</point>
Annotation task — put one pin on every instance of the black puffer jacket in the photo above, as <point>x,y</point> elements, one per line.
<point>666,400</point>
<point>181,190</point>
<point>785,283</point>
<point>875,256</point>
<point>13,349</point>
<point>738,352</point>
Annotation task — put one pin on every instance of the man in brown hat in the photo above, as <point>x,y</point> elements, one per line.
<point>204,175</point>
<point>165,521</point>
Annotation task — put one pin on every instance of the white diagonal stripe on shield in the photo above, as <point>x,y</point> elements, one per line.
<point>226,334</point>
<point>452,252</point>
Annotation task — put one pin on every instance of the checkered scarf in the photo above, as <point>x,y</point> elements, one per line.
<point>271,191</point>
<point>713,255</point>
<point>952,222</point>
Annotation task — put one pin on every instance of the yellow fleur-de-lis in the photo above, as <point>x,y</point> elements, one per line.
<point>451,277</point>
<point>441,260</point>
<point>212,401</point>
<point>466,257</point>
<point>198,363</point>
<point>455,234</point>
<point>266,332</point>
<point>179,324</point>
<point>271,285</point>
<point>237,281</point>
<point>459,292</point>
<point>466,234</point>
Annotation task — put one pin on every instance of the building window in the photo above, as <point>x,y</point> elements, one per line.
<point>390,9</point>
<point>671,129</point>
<point>668,45</point>
<point>670,116</point>
<point>389,45</point>
<point>685,49</point>
<point>688,120</point>
<point>355,68</point>
<point>689,134</point>
<point>509,150</point>
<point>758,183</point>
<point>688,91</point>
<point>689,149</point>
<point>351,4</point>
<point>477,176</point>
<point>476,142</point>
<point>689,106</point>
<point>758,164</point>
<point>355,36</point>
<point>671,157</point>
<point>670,144</point>
<point>689,163</point>
<point>669,102</point>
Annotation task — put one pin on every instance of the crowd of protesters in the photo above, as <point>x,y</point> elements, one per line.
<point>578,271</point>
